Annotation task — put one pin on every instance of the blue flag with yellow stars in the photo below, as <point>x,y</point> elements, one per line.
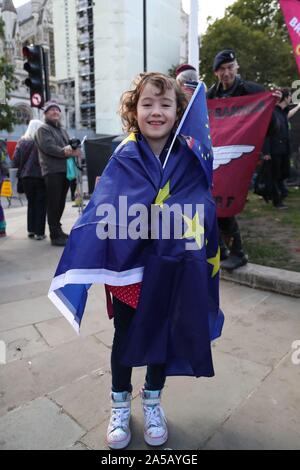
<point>194,127</point>
<point>158,227</point>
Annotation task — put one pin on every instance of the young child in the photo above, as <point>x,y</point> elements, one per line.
<point>165,295</point>
<point>151,109</point>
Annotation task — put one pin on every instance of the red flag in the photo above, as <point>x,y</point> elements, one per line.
<point>291,13</point>
<point>238,128</point>
<point>11,145</point>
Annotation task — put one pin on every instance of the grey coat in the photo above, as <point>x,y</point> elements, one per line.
<point>51,140</point>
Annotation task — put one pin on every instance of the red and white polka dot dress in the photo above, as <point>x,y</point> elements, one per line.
<point>128,294</point>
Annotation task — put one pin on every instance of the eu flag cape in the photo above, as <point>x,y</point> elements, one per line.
<point>178,312</point>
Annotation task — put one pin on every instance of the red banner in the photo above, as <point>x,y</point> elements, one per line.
<point>291,13</point>
<point>238,128</point>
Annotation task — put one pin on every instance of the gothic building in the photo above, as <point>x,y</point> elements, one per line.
<point>32,24</point>
<point>100,46</point>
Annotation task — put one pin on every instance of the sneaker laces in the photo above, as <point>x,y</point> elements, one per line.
<point>119,418</point>
<point>153,416</point>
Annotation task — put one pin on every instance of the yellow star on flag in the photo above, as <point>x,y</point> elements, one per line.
<point>195,230</point>
<point>130,138</point>
<point>163,195</point>
<point>215,262</point>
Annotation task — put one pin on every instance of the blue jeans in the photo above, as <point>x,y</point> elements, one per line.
<point>121,375</point>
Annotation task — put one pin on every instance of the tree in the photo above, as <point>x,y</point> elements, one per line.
<point>264,15</point>
<point>256,30</point>
<point>7,116</point>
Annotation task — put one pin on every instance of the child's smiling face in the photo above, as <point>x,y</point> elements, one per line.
<point>156,115</point>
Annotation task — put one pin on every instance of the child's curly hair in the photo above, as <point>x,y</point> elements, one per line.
<point>130,98</point>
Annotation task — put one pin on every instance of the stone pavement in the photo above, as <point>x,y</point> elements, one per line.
<point>54,387</point>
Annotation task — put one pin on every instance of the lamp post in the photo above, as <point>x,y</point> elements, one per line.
<point>193,34</point>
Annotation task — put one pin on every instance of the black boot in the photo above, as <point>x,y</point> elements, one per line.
<point>224,252</point>
<point>63,234</point>
<point>235,261</point>
<point>237,257</point>
<point>60,241</point>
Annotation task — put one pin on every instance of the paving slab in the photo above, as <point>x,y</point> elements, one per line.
<point>106,337</point>
<point>22,290</point>
<point>257,328</point>
<point>26,312</point>
<point>22,343</point>
<point>269,419</point>
<point>48,371</point>
<point>87,399</point>
<point>39,425</point>
<point>58,331</point>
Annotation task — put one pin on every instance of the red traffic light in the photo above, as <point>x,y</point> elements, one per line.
<point>33,52</point>
<point>35,68</point>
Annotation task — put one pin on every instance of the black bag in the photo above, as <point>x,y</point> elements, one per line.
<point>263,182</point>
<point>20,187</point>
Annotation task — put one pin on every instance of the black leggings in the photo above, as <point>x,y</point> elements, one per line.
<point>57,187</point>
<point>121,375</point>
<point>229,229</point>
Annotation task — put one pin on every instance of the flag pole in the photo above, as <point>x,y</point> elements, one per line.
<point>193,58</point>
<point>145,34</point>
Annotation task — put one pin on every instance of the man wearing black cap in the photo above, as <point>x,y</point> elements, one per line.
<point>230,84</point>
<point>54,150</point>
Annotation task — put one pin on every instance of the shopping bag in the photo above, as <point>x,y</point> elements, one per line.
<point>263,182</point>
<point>6,189</point>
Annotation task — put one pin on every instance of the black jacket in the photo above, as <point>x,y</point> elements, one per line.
<point>26,159</point>
<point>242,88</point>
<point>239,88</point>
<point>279,142</point>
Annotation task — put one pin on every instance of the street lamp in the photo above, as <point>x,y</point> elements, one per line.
<point>193,34</point>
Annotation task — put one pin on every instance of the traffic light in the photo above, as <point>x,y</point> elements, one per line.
<point>35,80</point>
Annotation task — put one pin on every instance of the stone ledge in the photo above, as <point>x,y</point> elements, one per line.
<point>266,278</point>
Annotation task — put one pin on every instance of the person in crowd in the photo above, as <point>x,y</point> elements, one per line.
<point>4,166</point>
<point>54,151</point>
<point>277,150</point>
<point>231,84</point>
<point>187,78</point>
<point>31,181</point>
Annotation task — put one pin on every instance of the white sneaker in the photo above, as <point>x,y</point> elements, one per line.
<point>155,423</point>
<point>118,433</point>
